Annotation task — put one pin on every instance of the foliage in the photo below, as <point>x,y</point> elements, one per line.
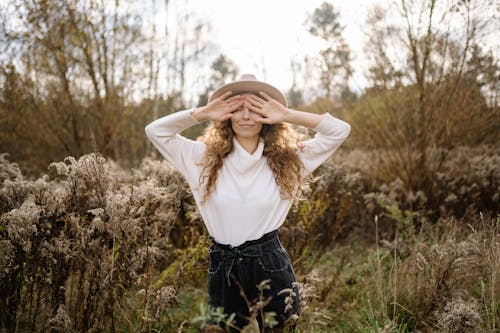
<point>399,233</point>
<point>77,77</point>
<point>90,246</point>
<point>77,240</point>
<point>334,61</point>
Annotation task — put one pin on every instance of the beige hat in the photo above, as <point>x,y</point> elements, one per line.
<point>248,83</point>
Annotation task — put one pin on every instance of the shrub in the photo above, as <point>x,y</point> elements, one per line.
<point>77,239</point>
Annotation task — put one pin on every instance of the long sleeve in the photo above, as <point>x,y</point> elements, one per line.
<point>331,132</point>
<point>180,151</point>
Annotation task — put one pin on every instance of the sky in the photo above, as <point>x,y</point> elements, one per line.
<point>268,33</point>
<point>262,36</point>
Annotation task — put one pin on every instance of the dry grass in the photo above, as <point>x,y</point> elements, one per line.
<point>92,247</point>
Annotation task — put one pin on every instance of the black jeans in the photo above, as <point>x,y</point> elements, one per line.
<point>245,266</point>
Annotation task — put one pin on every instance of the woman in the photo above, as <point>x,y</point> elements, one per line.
<point>244,174</point>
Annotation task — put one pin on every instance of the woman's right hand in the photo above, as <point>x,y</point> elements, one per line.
<point>220,109</point>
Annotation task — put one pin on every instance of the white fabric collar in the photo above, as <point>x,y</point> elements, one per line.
<point>241,159</point>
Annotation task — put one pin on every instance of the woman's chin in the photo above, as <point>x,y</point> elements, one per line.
<point>247,134</point>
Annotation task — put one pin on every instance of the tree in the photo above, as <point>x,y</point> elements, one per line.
<point>223,70</point>
<point>294,94</point>
<point>423,68</point>
<point>82,67</point>
<point>334,63</point>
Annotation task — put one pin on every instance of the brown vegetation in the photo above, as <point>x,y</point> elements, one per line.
<point>399,233</point>
<point>77,240</point>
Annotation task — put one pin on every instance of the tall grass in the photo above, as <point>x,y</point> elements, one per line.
<point>94,248</point>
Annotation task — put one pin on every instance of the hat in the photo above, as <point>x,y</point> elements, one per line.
<point>248,83</point>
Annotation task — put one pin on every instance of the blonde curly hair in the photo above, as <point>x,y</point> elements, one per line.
<point>281,142</point>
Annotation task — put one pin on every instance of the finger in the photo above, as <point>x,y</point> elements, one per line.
<point>264,120</point>
<point>266,96</point>
<point>254,108</point>
<point>225,95</point>
<point>233,98</point>
<point>227,116</point>
<point>236,104</point>
<point>256,100</point>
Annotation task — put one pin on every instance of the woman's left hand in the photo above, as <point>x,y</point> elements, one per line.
<point>270,110</point>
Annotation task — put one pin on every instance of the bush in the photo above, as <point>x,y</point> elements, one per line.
<point>77,240</point>
<point>90,245</point>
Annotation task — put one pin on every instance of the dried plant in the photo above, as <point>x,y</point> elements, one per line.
<point>441,281</point>
<point>77,240</point>
<point>459,316</point>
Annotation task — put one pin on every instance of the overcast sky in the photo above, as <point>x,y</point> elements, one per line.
<point>271,32</point>
<point>265,35</point>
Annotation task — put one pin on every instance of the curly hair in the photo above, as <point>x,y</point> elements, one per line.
<point>281,142</point>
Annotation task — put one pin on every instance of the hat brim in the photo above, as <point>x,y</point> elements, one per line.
<point>249,86</point>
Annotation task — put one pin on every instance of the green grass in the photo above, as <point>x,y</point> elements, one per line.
<point>352,292</point>
<point>343,304</point>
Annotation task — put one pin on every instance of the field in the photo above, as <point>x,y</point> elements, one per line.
<point>93,247</point>
<point>399,231</point>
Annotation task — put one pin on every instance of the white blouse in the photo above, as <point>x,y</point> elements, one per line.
<point>246,202</point>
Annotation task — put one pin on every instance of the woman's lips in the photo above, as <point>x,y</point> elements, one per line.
<point>246,125</point>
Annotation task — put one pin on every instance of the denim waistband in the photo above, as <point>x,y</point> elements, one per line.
<point>249,249</point>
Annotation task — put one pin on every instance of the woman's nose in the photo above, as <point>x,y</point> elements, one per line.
<point>246,113</point>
